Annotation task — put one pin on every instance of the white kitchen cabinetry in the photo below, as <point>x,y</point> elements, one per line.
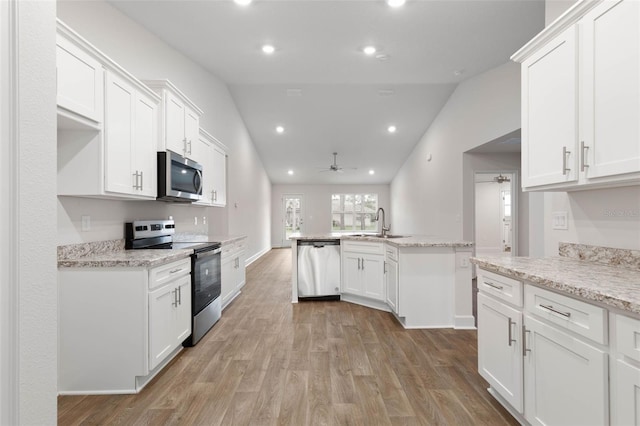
<point>500,336</point>
<point>169,313</point>
<point>80,79</point>
<point>233,273</point>
<point>625,370</point>
<point>130,138</point>
<point>180,120</point>
<point>581,99</point>
<point>391,276</point>
<point>363,270</point>
<point>118,327</point>
<point>213,158</point>
<point>115,158</point>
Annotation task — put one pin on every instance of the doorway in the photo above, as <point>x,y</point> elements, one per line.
<point>495,223</point>
<point>292,216</point>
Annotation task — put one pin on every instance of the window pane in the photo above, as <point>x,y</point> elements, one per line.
<point>353,212</point>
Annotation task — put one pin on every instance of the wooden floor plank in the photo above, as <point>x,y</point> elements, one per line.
<point>268,362</point>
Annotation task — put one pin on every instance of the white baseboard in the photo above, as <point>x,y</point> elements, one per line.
<point>464,322</point>
<point>256,256</point>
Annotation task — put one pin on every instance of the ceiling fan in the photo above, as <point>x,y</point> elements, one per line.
<point>335,167</point>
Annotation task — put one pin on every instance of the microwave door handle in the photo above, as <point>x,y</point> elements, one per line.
<point>197,180</point>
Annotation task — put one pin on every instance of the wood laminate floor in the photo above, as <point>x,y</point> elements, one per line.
<point>269,362</point>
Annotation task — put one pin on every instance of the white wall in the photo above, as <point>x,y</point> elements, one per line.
<point>427,196</point>
<point>554,8</point>
<point>28,217</point>
<point>317,205</point>
<point>146,56</point>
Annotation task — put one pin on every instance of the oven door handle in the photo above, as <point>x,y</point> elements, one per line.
<point>208,253</point>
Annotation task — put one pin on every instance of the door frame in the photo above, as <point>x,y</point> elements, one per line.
<point>283,241</point>
<point>9,247</point>
<point>515,220</point>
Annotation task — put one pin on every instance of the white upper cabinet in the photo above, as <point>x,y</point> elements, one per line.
<point>213,158</point>
<point>180,120</point>
<point>115,157</point>
<point>581,99</point>
<point>80,79</point>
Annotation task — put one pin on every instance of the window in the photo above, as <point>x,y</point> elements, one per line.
<point>354,212</point>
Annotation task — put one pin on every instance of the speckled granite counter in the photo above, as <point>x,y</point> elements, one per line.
<point>111,253</point>
<point>405,241</point>
<point>612,285</point>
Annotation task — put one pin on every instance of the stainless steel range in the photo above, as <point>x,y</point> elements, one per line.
<point>205,270</point>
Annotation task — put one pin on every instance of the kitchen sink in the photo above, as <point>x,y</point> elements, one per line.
<point>390,236</point>
<point>377,235</point>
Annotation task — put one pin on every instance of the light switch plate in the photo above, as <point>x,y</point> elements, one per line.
<point>86,223</point>
<point>560,221</point>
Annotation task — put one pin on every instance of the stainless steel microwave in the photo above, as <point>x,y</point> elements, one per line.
<point>179,179</point>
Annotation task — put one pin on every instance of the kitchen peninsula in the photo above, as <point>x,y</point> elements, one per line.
<point>424,281</point>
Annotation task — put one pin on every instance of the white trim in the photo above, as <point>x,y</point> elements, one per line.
<point>464,322</point>
<point>9,359</point>
<point>256,256</point>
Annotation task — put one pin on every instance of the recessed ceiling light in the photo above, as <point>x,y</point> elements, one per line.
<point>391,129</point>
<point>280,129</point>
<point>268,49</point>
<point>395,3</point>
<point>371,172</point>
<point>369,50</point>
<point>243,2</point>
<point>290,172</point>
<point>458,73</point>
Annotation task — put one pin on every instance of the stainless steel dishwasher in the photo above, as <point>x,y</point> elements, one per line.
<point>319,269</point>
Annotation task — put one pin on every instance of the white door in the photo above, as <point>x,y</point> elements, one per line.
<point>182,312</point>
<point>549,113</point>
<point>191,131</point>
<point>373,277</point>
<point>611,61</point>
<point>160,323</point>
<point>500,349</point>
<point>391,275</point>
<point>119,174</point>
<point>219,182</point>
<point>352,273</point>
<point>174,125</point>
<point>566,380</point>
<point>495,211</point>
<point>626,404</point>
<point>292,217</point>
<point>204,151</point>
<point>146,144</point>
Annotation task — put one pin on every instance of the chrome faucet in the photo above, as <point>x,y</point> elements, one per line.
<point>385,229</point>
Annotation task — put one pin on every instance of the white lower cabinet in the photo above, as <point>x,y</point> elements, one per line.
<point>566,379</point>
<point>500,349</point>
<point>391,281</point>
<point>363,270</point>
<point>233,272</point>
<point>169,318</point>
<point>117,327</point>
<point>625,370</point>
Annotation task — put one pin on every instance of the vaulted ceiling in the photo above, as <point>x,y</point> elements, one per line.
<point>319,85</point>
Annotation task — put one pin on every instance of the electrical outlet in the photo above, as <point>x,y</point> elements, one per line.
<point>559,221</point>
<point>86,223</point>
<point>464,262</point>
<point>204,220</point>
<point>195,220</point>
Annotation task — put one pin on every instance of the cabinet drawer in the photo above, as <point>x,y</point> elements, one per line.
<point>580,317</point>
<point>165,273</point>
<point>505,288</point>
<point>363,247</point>
<point>627,336</point>
<point>391,252</point>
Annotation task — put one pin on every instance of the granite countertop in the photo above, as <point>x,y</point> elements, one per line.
<point>405,241</point>
<point>609,284</point>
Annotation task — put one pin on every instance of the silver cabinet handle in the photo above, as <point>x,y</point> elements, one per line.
<point>565,169</point>
<point>524,341</point>
<point>173,271</point>
<point>175,298</point>
<point>363,264</point>
<point>215,195</point>
<point>179,295</point>
<point>511,339</point>
<point>189,143</point>
<point>358,263</point>
<point>552,309</point>
<point>384,267</point>
<point>141,180</point>
<point>135,185</point>
<point>138,185</point>
<point>583,163</point>
<point>184,149</point>
<point>490,284</point>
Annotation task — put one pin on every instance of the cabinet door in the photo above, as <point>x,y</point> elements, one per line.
<point>241,276</point>
<point>79,81</point>
<point>161,313</point>
<point>626,406</point>
<point>219,174</point>
<point>351,273</point>
<point>500,349</point>
<point>228,280</point>
<point>549,113</point>
<point>174,124</point>
<point>611,89</point>
<point>145,145</point>
<point>204,154</point>
<point>191,133</point>
<point>566,380</point>
<point>182,312</point>
<point>373,277</point>
<point>119,114</point>
<point>391,276</point>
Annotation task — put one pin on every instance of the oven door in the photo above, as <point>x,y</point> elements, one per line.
<point>179,179</point>
<point>206,278</point>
